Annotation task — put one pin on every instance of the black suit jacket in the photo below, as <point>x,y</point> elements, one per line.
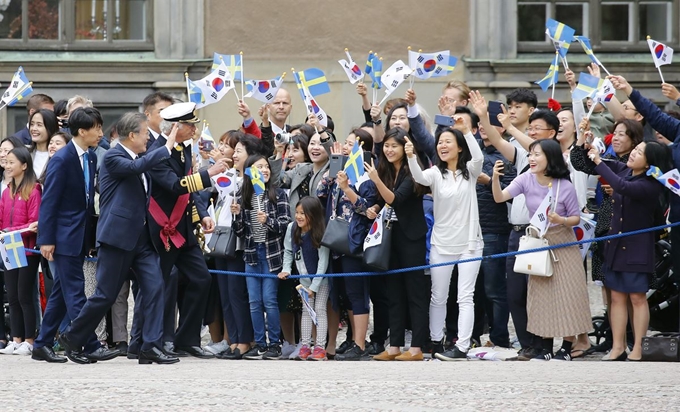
<point>171,179</point>
<point>408,206</point>
<point>123,201</point>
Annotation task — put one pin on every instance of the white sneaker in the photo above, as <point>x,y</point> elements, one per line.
<point>218,347</point>
<point>204,331</point>
<point>10,348</point>
<point>296,352</point>
<point>287,349</point>
<point>24,348</point>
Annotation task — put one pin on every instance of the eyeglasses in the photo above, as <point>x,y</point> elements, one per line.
<point>536,129</point>
<point>626,107</point>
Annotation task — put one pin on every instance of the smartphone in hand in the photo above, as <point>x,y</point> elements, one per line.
<point>495,108</point>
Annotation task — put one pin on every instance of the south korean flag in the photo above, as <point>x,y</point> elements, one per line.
<point>540,219</point>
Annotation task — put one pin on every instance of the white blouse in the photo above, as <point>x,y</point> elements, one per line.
<point>456,216</point>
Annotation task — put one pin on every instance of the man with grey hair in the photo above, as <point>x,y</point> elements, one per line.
<point>124,239</point>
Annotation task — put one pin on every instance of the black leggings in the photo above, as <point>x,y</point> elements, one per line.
<point>20,285</point>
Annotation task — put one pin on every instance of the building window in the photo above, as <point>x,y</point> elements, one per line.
<point>611,25</point>
<point>76,24</point>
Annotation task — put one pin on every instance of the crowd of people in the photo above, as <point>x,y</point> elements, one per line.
<point>459,190</point>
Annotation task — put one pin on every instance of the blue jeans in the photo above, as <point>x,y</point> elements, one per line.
<point>495,288</point>
<point>263,298</point>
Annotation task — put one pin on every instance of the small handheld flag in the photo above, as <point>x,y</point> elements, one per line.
<point>19,88</point>
<point>426,65</point>
<point>393,77</point>
<point>375,74</point>
<point>669,179</point>
<point>374,237</point>
<point>264,90</point>
<point>310,102</point>
<point>213,87</point>
<point>661,54</point>
<point>232,61</point>
<point>256,179</point>
<point>225,183</point>
<point>587,86</point>
<point>369,63</point>
<point>352,70</point>
<point>561,36</point>
<point>588,49</point>
<point>354,167</point>
<point>194,92</point>
<point>13,251</point>
<point>550,78</point>
<point>540,218</point>
<point>585,230</point>
<point>313,80</point>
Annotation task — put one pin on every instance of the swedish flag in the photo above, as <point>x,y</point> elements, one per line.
<point>256,179</point>
<point>15,253</point>
<point>354,167</point>
<point>377,65</point>
<point>369,63</point>
<point>195,93</point>
<point>561,34</point>
<point>551,76</point>
<point>585,43</point>
<point>587,86</point>
<point>232,61</point>
<point>314,80</point>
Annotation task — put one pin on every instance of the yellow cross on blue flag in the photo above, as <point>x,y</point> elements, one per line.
<point>195,93</point>
<point>354,167</point>
<point>376,72</point>
<point>232,61</point>
<point>551,76</point>
<point>314,80</point>
<point>256,179</point>
<point>585,44</point>
<point>561,35</point>
<point>587,86</point>
<point>13,251</point>
<point>369,63</point>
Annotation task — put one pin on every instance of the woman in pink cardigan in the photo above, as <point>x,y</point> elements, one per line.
<point>19,208</point>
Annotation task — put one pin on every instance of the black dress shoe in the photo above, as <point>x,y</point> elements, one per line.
<point>68,345</point>
<point>230,354</point>
<point>46,354</point>
<point>155,355</point>
<point>77,357</point>
<point>195,351</point>
<point>169,349</point>
<point>102,354</point>
<point>122,347</point>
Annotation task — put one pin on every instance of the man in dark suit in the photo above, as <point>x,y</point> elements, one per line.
<point>175,208</point>
<point>66,217</point>
<point>124,239</point>
<point>152,106</point>
<point>33,104</point>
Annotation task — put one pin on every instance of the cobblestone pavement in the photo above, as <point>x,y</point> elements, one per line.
<point>195,384</point>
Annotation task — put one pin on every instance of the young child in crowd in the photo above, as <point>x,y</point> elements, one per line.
<point>303,245</point>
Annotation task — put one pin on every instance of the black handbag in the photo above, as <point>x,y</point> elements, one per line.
<point>662,347</point>
<point>378,256</point>
<point>336,236</point>
<point>222,244</point>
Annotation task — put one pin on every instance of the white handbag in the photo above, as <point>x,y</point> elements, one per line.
<point>535,263</point>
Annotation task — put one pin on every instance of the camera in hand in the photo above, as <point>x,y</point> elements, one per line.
<point>283,138</point>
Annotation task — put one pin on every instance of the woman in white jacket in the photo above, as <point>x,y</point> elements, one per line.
<point>456,233</point>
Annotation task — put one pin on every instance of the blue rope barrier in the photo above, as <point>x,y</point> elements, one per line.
<point>455,262</point>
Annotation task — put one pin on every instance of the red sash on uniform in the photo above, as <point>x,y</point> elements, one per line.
<point>169,225</point>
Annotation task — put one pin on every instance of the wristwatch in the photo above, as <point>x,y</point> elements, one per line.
<point>377,122</point>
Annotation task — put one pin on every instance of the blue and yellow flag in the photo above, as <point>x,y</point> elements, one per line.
<point>561,35</point>
<point>232,61</point>
<point>354,167</point>
<point>314,81</point>
<point>195,93</point>
<point>587,86</point>
<point>369,63</point>
<point>585,44</point>
<point>13,251</point>
<point>256,179</point>
<point>375,74</point>
<point>551,76</point>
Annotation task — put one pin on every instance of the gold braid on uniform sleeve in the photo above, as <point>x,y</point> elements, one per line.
<point>193,183</point>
